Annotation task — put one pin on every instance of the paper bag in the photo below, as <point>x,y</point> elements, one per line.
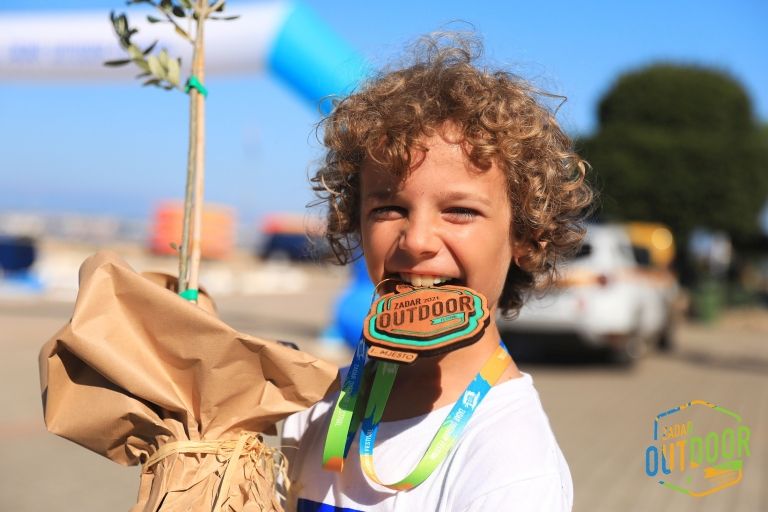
<point>142,376</point>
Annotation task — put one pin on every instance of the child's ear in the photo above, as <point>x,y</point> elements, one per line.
<point>519,253</point>
<point>522,252</point>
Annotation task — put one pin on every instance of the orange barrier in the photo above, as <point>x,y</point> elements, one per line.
<point>293,223</point>
<point>218,237</point>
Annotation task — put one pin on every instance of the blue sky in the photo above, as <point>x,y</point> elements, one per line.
<point>118,148</point>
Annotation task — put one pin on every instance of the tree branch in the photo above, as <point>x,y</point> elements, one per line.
<point>183,33</point>
<point>214,7</point>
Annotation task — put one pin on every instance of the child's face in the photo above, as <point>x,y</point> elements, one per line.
<point>448,219</point>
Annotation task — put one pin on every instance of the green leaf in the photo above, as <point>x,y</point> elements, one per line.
<point>115,63</point>
<point>174,71</point>
<point>225,18</point>
<point>166,5</point>
<point>144,75</point>
<point>154,67</point>
<point>187,4</point>
<point>120,23</point>
<point>163,58</point>
<point>152,19</point>
<point>178,12</point>
<point>182,33</point>
<point>150,48</point>
<point>151,81</point>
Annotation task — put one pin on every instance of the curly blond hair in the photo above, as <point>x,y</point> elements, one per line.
<point>499,119</point>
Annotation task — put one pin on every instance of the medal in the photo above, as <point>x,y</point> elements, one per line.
<point>428,321</point>
<point>401,326</point>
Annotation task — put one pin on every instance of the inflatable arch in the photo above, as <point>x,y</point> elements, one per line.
<point>286,39</point>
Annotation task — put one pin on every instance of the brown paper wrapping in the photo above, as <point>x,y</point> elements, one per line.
<point>138,367</point>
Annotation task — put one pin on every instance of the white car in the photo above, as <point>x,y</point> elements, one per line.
<point>605,297</point>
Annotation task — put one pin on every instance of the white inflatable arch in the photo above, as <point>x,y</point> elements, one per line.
<point>286,39</point>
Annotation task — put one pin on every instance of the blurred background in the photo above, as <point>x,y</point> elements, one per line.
<point>666,302</point>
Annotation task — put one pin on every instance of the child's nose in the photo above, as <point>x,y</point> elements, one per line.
<point>418,238</point>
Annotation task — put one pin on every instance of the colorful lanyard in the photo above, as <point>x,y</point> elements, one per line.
<point>346,417</point>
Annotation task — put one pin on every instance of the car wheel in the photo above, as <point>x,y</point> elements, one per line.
<point>666,341</point>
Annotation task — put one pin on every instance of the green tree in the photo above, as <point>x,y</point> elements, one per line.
<point>679,144</point>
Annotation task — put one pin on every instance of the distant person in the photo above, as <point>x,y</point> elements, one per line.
<point>443,171</point>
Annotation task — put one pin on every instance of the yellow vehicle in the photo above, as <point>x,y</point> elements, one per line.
<point>655,238</point>
<point>654,247</point>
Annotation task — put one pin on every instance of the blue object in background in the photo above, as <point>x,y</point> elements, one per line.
<point>294,247</point>
<point>351,308</point>
<point>312,59</point>
<point>17,254</point>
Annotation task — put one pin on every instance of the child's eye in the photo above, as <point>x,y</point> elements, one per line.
<point>460,215</point>
<point>387,213</point>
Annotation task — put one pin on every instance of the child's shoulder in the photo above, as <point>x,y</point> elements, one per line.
<point>513,430</point>
<point>514,403</point>
<point>512,443</point>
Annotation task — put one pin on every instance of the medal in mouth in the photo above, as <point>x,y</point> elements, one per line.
<point>413,321</point>
<point>408,322</point>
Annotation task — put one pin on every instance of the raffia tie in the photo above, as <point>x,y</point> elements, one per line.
<point>248,444</point>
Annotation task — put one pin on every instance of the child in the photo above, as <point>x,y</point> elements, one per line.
<point>445,172</point>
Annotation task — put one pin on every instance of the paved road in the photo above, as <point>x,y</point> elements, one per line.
<point>601,415</point>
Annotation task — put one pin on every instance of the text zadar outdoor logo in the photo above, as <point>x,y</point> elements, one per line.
<point>698,448</point>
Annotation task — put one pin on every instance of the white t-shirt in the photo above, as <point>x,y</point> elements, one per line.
<point>506,459</point>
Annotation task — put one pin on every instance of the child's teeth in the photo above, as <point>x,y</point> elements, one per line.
<point>423,280</point>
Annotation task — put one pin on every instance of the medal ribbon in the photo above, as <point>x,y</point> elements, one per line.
<point>345,418</point>
<point>344,423</point>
